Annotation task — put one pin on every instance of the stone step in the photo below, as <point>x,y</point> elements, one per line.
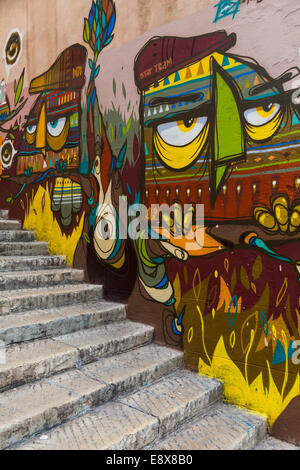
<point>15,301</point>
<point>56,321</point>
<point>28,362</point>
<point>32,361</point>
<point>175,399</point>
<point>30,263</point>
<point>132,422</point>
<point>270,443</point>
<point>35,407</point>
<point>4,214</point>
<point>222,427</point>
<point>9,224</point>
<point>50,277</point>
<point>112,426</point>
<point>16,236</point>
<point>107,340</point>
<point>23,249</point>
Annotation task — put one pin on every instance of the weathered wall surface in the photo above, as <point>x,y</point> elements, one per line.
<point>189,103</point>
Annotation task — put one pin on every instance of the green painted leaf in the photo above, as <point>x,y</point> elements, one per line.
<point>19,88</point>
<point>127,128</point>
<point>12,136</point>
<point>100,124</point>
<point>86,237</point>
<point>86,31</point>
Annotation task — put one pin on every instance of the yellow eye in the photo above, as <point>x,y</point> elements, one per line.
<point>187,126</point>
<point>262,122</point>
<point>262,114</point>
<point>30,134</point>
<point>181,133</point>
<point>178,143</point>
<point>266,112</point>
<point>57,133</point>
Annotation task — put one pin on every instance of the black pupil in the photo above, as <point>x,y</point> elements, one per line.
<point>6,152</point>
<point>189,122</point>
<point>267,107</point>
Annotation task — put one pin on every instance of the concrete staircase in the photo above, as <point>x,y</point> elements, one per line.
<point>75,374</point>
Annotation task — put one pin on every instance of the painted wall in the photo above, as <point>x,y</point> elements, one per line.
<point>190,104</point>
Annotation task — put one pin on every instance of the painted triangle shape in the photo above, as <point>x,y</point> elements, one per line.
<point>177,77</point>
<point>200,69</point>
<point>225,62</point>
<point>188,73</point>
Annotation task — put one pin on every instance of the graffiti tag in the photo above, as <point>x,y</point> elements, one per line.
<point>227,8</point>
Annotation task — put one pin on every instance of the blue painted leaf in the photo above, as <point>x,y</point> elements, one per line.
<point>109,40</point>
<point>279,355</point>
<point>111,24</point>
<point>112,167</point>
<point>97,71</point>
<point>94,96</point>
<point>105,35</point>
<point>93,8</point>
<point>98,30</point>
<point>103,19</point>
<point>121,156</point>
<point>90,63</point>
<point>91,19</point>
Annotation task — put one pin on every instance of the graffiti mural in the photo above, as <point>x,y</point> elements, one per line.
<point>220,131</point>
<point>117,188</point>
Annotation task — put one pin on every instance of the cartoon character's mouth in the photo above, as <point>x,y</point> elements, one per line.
<point>45,159</point>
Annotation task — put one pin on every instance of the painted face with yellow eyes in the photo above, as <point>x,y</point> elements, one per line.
<point>51,134</point>
<point>220,132</point>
